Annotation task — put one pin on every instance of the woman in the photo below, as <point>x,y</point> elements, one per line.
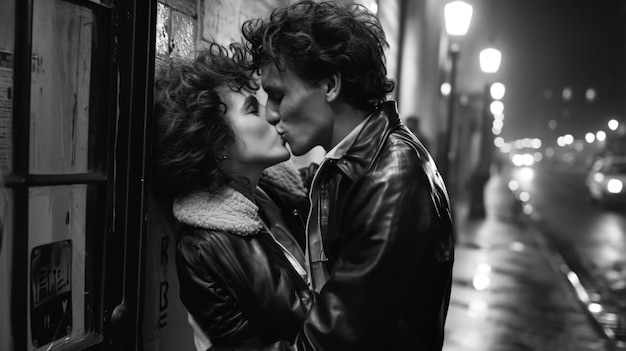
<point>239,260</point>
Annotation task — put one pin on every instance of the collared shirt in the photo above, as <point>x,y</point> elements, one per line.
<point>314,253</point>
<point>344,145</point>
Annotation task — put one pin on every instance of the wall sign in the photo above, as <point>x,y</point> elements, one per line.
<point>51,292</point>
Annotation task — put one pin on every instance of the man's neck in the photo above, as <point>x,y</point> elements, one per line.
<point>346,120</point>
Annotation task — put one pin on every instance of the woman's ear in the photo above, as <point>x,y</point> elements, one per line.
<point>333,87</point>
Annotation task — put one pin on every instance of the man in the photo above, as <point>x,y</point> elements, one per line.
<point>380,218</point>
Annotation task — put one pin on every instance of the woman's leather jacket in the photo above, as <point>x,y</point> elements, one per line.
<point>235,279</point>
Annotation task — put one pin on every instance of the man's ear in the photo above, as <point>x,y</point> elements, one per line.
<point>333,87</point>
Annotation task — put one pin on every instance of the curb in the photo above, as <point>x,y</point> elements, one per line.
<point>603,316</point>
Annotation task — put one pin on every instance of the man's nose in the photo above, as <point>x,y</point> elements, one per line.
<point>271,114</point>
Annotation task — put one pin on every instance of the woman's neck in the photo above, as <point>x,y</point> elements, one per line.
<point>245,186</point>
<point>244,178</point>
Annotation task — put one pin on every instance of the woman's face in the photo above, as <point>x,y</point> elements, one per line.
<point>256,144</point>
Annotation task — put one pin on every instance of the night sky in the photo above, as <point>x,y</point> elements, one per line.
<point>547,45</point>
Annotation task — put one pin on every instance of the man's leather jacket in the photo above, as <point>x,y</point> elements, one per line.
<point>388,235</point>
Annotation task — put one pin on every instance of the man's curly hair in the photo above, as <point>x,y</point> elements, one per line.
<point>316,40</point>
<point>191,132</point>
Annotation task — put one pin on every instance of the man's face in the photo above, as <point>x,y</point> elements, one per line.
<point>300,113</point>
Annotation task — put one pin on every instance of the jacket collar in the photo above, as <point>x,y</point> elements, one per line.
<point>368,143</point>
<point>227,210</point>
<point>230,211</point>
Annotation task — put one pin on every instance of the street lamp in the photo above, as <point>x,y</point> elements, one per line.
<point>457,16</point>
<point>490,60</point>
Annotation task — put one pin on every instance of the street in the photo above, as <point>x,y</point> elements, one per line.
<point>590,238</point>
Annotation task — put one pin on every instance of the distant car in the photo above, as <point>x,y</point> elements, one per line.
<point>606,180</point>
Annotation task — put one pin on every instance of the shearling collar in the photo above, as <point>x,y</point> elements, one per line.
<point>230,211</point>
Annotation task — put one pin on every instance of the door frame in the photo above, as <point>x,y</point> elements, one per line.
<point>131,26</point>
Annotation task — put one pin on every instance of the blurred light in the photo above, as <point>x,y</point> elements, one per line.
<point>536,143</point>
<point>446,88</point>
<point>614,186</point>
<point>526,174</point>
<point>499,116</point>
<point>553,124</point>
<point>517,246</point>
<point>518,160</point>
<point>498,142</point>
<point>496,107</point>
<point>458,16</point>
<point>598,177</point>
<point>506,148</point>
<point>538,156</point>
<point>590,137</point>
<point>484,268</point>
<point>590,94</point>
<point>496,131</point>
<point>527,209</point>
<point>481,282</point>
<point>497,90</point>
<point>600,135</point>
<point>478,309</point>
<point>513,185</point>
<point>595,307</point>
<point>613,124</point>
<point>498,123</point>
<point>524,196</point>
<point>549,152</point>
<point>560,141</point>
<point>568,138</point>
<point>528,159</point>
<point>579,146</point>
<point>567,93</point>
<point>464,100</point>
<point>490,60</point>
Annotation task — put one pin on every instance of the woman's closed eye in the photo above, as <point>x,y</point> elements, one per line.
<point>251,105</point>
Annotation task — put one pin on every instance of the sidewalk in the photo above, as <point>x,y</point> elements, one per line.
<point>507,293</point>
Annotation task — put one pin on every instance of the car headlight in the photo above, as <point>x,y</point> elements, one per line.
<point>614,186</point>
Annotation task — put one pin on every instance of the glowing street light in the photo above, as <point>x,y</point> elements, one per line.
<point>446,88</point>
<point>496,107</point>
<point>613,124</point>
<point>497,91</point>
<point>490,60</point>
<point>457,16</point>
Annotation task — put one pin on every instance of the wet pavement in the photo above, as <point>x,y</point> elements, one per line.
<point>511,291</point>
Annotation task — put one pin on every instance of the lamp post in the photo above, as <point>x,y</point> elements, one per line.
<point>490,60</point>
<point>458,16</point>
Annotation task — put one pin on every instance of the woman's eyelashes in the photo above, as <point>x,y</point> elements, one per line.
<point>251,105</point>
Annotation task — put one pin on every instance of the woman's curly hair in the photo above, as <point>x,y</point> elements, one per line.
<point>191,132</point>
<point>316,40</point>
